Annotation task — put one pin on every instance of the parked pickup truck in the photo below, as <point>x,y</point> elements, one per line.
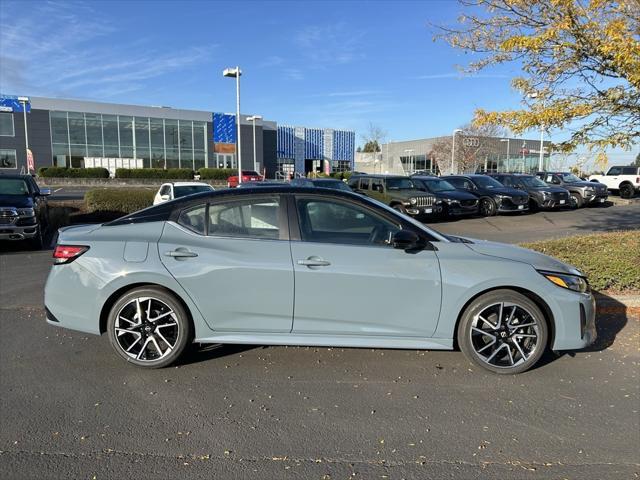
<point>23,209</point>
<point>625,180</point>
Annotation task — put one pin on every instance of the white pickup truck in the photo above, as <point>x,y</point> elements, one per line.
<point>626,180</point>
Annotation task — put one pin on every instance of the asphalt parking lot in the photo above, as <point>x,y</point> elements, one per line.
<point>70,408</point>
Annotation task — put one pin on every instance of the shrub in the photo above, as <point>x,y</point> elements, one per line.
<point>342,175</point>
<point>216,173</point>
<point>122,200</point>
<point>64,172</point>
<point>169,173</point>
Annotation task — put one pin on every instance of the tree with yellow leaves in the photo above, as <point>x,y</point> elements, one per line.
<point>580,62</point>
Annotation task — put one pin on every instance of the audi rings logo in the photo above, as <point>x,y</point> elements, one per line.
<point>471,142</point>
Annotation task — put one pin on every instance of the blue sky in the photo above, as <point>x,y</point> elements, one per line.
<point>327,64</point>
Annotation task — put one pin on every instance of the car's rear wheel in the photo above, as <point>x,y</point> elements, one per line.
<point>626,191</point>
<point>575,200</point>
<point>487,207</point>
<point>149,327</point>
<point>503,331</point>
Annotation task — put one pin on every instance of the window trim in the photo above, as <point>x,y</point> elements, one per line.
<point>13,127</point>
<point>15,153</point>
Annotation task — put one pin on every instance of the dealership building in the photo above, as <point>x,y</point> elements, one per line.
<point>484,154</point>
<point>41,132</point>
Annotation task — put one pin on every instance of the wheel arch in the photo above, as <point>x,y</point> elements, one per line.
<point>113,298</point>
<point>540,303</point>
<point>625,182</point>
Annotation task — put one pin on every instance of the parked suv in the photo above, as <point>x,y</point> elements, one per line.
<point>493,197</point>
<point>625,180</point>
<point>23,209</point>
<point>454,202</point>
<point>581,192</point>
<point>399,192</point>
<point>541,195</point>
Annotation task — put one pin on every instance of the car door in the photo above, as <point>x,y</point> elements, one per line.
<point>349,280</point>
<point>232,257</point>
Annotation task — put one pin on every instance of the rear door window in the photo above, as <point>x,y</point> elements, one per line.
<point>251,218</point>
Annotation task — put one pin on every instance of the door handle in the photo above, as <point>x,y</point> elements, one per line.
<point>314,262</point>
<point>180,253</point>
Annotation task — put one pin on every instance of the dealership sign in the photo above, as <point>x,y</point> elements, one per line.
<point>10,103</point>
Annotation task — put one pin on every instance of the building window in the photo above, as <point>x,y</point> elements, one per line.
<point>341,166</point>
<point>8,158</point>
<point>225,160</point>
<point>6,125</point>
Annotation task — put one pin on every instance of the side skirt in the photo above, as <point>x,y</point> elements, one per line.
<point>329,341</point>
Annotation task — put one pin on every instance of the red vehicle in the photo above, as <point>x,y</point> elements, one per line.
<point>247,176</point>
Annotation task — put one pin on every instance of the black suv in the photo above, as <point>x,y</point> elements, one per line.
<point>398,192</point>
<point>24,214</point>
<point>541,195</point>
<point>581,192</point>
<point>454,202</point>
<point>492,195</point>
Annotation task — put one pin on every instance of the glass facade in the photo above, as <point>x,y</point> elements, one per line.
<point>160,143</point>
<point>6,125</point>
<point>502,163</point>
<point>418,163</point>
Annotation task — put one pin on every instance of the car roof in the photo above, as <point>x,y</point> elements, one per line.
<point>15,176</point>
<point>381,175</point>
<point>188,184</point>
<point>510,174</point>
<point>426,177</point>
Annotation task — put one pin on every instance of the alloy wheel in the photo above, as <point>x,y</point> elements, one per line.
<point>505,335</point>
<point>146,329</point>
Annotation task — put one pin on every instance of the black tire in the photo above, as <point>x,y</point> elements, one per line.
<point>469,344</point>
<point>488,207</point>
<point>533,206</point>
<point>180,335</point>
<point>575,200</point>
<point>626,191</point>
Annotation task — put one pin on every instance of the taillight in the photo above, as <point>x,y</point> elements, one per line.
<point>67,253</point>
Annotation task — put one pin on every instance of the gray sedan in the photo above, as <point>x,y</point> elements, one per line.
<point>220,267</point>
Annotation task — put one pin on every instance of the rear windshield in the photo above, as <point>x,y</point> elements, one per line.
<point>487,182</point>
<point>13,186</point>
<point>337,185</point>
<point>184,190</point>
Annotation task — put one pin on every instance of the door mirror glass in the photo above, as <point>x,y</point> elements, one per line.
<point>406,240</point>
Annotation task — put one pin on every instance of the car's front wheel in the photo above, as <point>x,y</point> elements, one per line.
<point>503,331</point>
<point>487,207</point>
<point>626,191</point>
<point>149,327</point>
<point>575,200</point>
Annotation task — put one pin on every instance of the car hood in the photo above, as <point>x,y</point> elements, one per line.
<point>409,192</point>
<point>549,189</point>
<point>18,201</point>
<point>512,192</point>
<point>584,183</point>
<point>539,261</point>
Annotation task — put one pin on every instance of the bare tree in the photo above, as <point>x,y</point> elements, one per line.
<point>373,138</point>
<point>473,145</point>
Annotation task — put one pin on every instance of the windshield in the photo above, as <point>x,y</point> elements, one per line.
<point>337,185</point>
<point>438,185</point>
<point>570,178</point>
<point>190,190</point>
<point>13,186</point>
<point>487,182</point>
<point>533,182</point>
<point>399,184</point>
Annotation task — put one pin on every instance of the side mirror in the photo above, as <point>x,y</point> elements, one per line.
<point>405,240</point>
<point>45,192</point>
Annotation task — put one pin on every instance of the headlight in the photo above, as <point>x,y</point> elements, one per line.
<point>589,191</point>
<point>571,282</point>
<point>413,201</point>
<point>545,193</point>
<point>451,201</point>
<point>26,212</point>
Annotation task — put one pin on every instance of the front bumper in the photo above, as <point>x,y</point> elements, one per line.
<point>428,212</point>
<point>555,201</point>
<point>16,233</point>
<point>578,328</point>
<point>507,205</point>
<point>596,198</point>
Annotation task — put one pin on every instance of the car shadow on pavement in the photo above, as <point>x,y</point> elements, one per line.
<point>202,352</point>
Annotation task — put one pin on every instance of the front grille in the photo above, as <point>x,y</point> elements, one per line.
<point>560,196</point>
<point>8,213</point>
<point>7,220</point>
<point>518,200</point>
<point>425,201</point>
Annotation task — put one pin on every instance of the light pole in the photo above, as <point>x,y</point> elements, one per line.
<point>453,146</point>
<point>410,152</point>
<point>23,101</point>
<point>534,95</point>
<point>253,119</point>
<point>235,73</point>
<point>508,159</point>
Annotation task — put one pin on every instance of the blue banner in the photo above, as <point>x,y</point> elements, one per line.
<point>10,103</point>
<point>224,128</point>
